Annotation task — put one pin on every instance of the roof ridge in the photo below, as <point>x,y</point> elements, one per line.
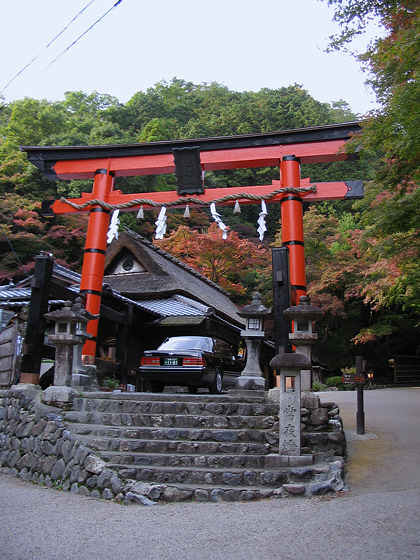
<point>67,271</point>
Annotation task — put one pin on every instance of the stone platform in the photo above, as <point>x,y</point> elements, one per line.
<point>145,447</point>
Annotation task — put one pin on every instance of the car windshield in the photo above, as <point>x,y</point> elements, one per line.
<point>187,343</point>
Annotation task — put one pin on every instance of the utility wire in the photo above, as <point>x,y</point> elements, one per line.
<point>83,34</point>
<point>72,44</point>
<point>46,47</point>
<point>13,251</point>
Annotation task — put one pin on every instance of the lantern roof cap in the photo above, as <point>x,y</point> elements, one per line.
<point>255,308</point>
<point>78,308</point>
<point>69,312</point>
<point>294,360</point>
<point>304,310</point>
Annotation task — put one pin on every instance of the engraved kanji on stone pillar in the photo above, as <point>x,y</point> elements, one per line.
<point>289,367</point>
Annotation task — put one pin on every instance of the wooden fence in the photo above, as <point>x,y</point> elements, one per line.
<point>406,369</point>
<point>8,354</point>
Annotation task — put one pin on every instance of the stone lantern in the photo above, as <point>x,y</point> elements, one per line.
<point>252,377</point>
<point>303,338</point>
<point>64,338</point>
<point>83,375</point>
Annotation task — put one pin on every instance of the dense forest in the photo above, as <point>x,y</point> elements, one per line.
<point>362,256</point>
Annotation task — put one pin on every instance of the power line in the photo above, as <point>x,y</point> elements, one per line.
<point>46,47</point>
<point>83,34</point>
<point>71,45</point>
<point>13,251</point>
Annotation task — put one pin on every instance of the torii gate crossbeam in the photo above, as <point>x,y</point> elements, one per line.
<point>285,149</point>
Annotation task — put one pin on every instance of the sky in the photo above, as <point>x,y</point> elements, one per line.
<point>242,44</point>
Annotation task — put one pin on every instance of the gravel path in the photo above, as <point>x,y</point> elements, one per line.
<point>387,457</point>
<point>44,524</point>
<point>377,520</point>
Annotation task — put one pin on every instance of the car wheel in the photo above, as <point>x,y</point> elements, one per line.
<point>192,389</point>
<point>217,383</point>
<point>156,386</point>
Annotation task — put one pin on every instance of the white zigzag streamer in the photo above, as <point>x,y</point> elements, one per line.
<point>261,220</point>
<point>113,227</point>
<point>216,217</point>
<point>161,224</point>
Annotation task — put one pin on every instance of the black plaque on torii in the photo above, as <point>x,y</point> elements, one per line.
<point>188,170</point>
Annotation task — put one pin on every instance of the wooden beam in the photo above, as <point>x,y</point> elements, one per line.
<point>112,315</point>
<point>338,190</point>
<point>315,144</point>
<point>268,156</point>
<point>35,328</point>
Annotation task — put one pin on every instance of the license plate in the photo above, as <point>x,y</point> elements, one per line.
<point>170,361</point>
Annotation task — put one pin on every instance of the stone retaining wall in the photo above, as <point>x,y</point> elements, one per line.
<point>36,446</point>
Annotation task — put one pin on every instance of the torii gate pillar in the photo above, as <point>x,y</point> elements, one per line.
<point>292,226</point>
<point>94,257</point>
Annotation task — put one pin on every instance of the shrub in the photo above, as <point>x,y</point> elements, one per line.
<point>335,381</point>
<point>111,382</point>
<point>317,386</point>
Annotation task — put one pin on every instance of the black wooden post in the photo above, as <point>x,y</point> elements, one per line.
<point>281,298</point>
<point>35,329</point>
<point>360,415</point>
<point>122,344</point>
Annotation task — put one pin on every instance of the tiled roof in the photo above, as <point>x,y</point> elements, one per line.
<point>9,293</point>
<point>166,307</point>
<point>172,307</point>
<point>66,273</point>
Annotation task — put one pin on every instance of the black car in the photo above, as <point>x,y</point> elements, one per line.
<point>193,362</point>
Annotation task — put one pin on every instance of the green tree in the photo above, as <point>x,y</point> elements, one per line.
<point>390,210</point>
<point>392,61</point>
<point>26,122</point>
<point>154,131</point>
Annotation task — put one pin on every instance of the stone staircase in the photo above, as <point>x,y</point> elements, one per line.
<point>204,447</point>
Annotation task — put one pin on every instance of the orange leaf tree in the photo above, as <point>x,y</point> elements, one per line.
<point>237,265</point>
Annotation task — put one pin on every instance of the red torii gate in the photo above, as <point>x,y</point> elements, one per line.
<point>285,149</point>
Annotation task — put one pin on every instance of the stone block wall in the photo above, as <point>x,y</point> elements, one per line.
<point>36,446</point>
<point>322,428</point>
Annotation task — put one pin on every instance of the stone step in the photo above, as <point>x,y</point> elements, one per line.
<point>203,448</point>
<point>168,420</point>
<point>214,461</point>
<point>197,405</point>
<point>321,446</point>
<point>212,494</point>
<point>196,475</point>
<point>108,433</point>
<point>133,446</point>
<point>299,481</point>
<point>205,492</point>
<point>220,477</point>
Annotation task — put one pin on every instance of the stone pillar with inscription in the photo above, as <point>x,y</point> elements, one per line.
<point>289,367</point>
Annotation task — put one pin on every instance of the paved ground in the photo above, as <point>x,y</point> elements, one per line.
<point>378,519</point>
<point>387,457</point>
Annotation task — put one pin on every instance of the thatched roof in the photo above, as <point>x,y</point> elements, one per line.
<point>139,270</point>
